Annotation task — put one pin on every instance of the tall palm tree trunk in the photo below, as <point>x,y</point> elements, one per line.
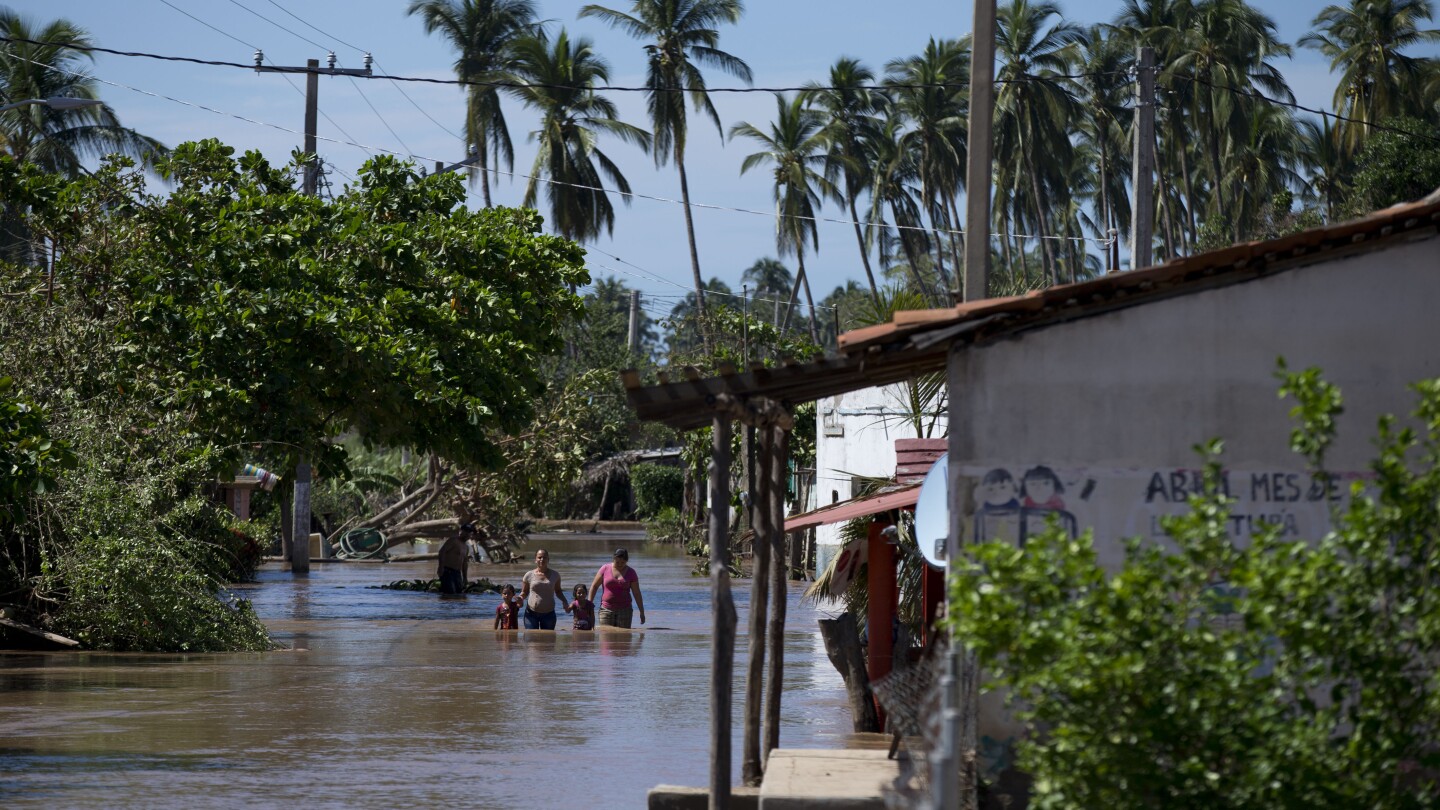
<point>957,239</point>
<point>809,300</point>
<point>1041,231</point>
<point>694,251</point>
<point>1191,236</point>
<point>485,176</point>
<point>1105,200</point>
<point>864,252</point>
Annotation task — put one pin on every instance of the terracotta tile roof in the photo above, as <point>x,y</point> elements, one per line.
<point>1230,265</point>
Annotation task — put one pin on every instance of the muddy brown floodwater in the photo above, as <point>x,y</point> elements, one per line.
<point>397,699</point>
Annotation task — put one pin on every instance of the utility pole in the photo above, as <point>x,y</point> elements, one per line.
<point>977,172</point>
<point>632,339</point>
<point>959,704</point>
<point>300,531</point>
<point>1143,209</point>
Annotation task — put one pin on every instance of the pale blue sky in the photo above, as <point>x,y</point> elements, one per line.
<point>786,43</point>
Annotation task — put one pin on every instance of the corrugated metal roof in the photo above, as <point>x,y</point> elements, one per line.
<point>898,498</point>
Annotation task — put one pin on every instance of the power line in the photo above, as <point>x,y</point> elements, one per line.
<point>325,33</point>
<point>353,83</point>
<point>1323,113</point>
<point>257,49</point>
<point>885,87</point>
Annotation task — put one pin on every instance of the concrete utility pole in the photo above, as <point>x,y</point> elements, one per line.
<point>959,705</point>
<point>300,514</point>
<point>1142,219</point>
<point>977,172</point>
<point>632,339</point>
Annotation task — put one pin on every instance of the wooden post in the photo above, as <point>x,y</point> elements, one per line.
<point>722,645</point>
<point>779,591</point>
<point>752,766</point>
<point>884,598</point>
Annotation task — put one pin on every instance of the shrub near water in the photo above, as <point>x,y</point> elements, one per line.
<point>1280,675</point>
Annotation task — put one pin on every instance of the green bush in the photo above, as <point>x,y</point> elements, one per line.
<point>657,487</point>
<point>1283,674</point>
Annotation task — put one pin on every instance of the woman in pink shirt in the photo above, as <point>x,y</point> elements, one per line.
<point>617,582</point>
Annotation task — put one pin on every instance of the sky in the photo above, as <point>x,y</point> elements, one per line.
<point>785,42</point>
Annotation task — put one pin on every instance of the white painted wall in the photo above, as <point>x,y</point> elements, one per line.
<point>1112,401</point>
<point>855,434</point>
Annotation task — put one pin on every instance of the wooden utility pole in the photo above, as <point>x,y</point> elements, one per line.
<point>722,644</point>
<point>1142,221</point>
<point>977,171</point>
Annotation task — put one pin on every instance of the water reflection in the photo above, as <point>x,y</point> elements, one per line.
<point>393,696</point>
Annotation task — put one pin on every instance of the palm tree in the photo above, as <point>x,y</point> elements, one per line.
<point>1224,50</point>
<point>1034,108</point>
<point>1325,165</point>
<point>893,187</point>
<point>932,93</point>
<point>58,140</point>
<point>1364,42</point>
<point>559,77</point>
<point>853,108</point>
<point>1103,129</point>
<point>794,147</point>
<point>682,36</point>
<point>482,32</point>
<point>769,280</point>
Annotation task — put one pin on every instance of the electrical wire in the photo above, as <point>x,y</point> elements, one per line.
<point>884,87</point>
<point>394,84</point>
<point>257,49</point>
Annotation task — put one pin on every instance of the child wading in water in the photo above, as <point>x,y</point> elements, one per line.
<point>582,609</point>
<point>507,613</point>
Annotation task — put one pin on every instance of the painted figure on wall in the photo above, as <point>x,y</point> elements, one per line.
<point>1012,514</point>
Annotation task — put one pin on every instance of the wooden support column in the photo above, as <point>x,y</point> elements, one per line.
<point>752,766</point>
<point>884,600</point>
<point>779,590</point>
<point>722,645</point>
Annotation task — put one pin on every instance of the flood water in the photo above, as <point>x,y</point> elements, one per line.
<point>396,699</point>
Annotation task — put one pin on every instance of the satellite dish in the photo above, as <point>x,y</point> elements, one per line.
<point>932,512</point>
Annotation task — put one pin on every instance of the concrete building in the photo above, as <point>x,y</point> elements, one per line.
<point>855,435</point>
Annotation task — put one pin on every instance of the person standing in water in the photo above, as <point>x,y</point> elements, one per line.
<point>539,588</point>
<point>620,583</point>
<point>453,561</point>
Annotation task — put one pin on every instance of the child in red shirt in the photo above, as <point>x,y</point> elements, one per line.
<point>507,613</point>
<point>582,609</point>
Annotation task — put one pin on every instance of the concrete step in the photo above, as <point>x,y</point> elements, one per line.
<point>816,779</point>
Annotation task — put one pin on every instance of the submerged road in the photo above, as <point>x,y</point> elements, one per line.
<point>396,699</point>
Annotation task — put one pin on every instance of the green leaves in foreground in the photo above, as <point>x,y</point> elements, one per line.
<point>1284,674</point>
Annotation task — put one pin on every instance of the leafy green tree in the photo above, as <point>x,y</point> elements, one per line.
<point>1397,165</point>
<point>30,459</point>
<point>1364,42</point>
<point>483,34</point>
<point>681,36</point>
<point>1286,674</point>
<point>392,311</point>
<point>793,148</point>
<point>561,76</point>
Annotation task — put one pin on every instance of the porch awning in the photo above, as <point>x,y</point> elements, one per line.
<point>896,498</point>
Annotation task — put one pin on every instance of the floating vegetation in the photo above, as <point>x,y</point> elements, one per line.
<point>481,585</point>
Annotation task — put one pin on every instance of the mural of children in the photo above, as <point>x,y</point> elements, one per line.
<point>997,490</point>
<point>1041,489</point>
<point>999,515</point>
